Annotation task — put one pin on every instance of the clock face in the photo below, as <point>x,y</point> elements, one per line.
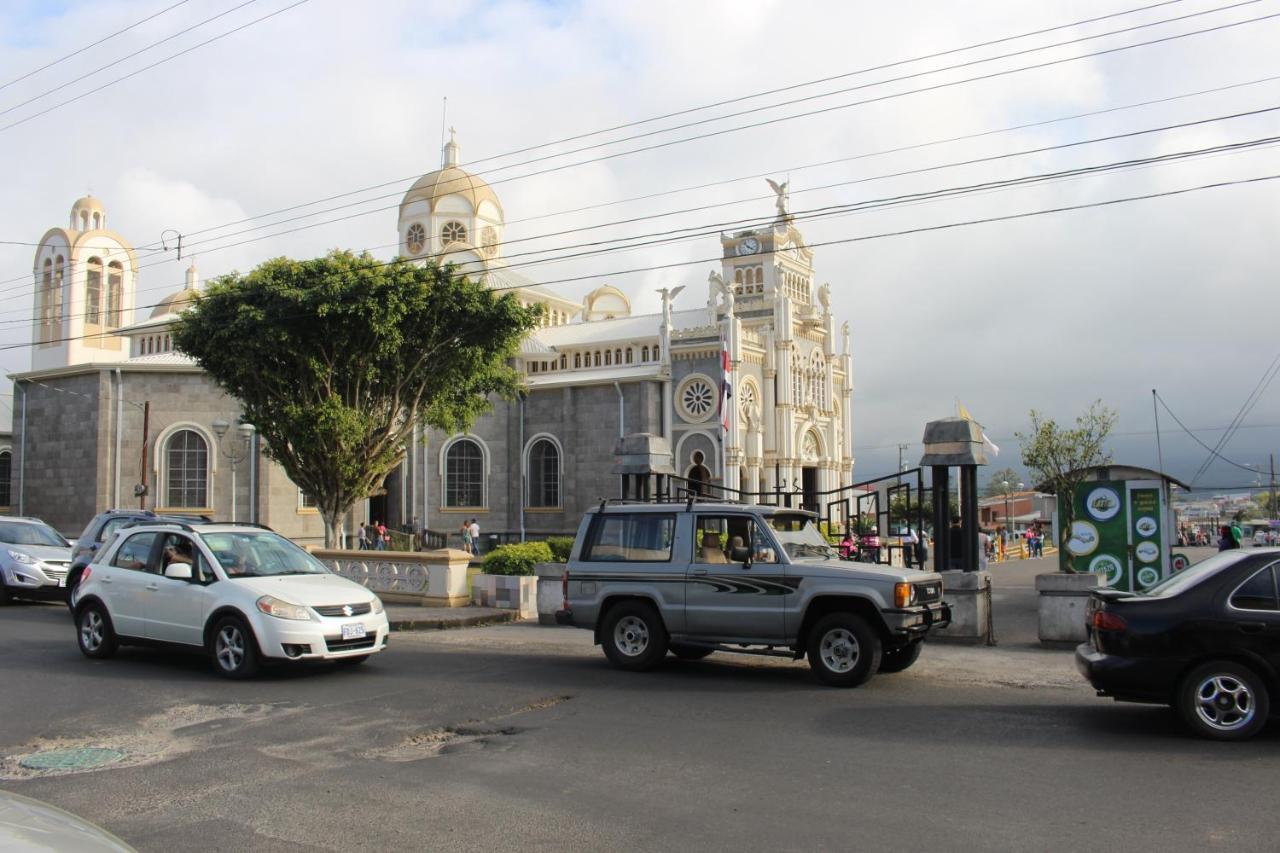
<point>749,246</point>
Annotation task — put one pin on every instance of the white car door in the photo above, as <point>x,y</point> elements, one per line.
<point>124,582</point>
<point>176,608</point>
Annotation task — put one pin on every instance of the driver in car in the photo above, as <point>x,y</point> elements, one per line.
<point>178,551</point>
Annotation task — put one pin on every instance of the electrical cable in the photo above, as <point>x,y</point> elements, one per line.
<point>1263,382</point>
<point>841,241</point>
<point>1213,452</point>
<point>87,47</point>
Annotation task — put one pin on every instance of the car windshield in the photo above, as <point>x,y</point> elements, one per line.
<point>260,554</point>
<point>27,533</point>
<point>800,537</point>
<point>1192,575</point>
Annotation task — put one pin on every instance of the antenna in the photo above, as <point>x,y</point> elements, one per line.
<point>444,120</point>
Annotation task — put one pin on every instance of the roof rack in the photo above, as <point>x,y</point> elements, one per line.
<point>140,522</point>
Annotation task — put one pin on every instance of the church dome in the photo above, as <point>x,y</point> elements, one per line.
<point>88,214</point>
<point>450,180</point>
<point>176,303</point>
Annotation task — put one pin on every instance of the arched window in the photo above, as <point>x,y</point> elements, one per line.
<point>628,355</point>
<point>93,291</point>
<point>644,353</point>
<point>186,458</point>
<point>608,358</point>
<point>597,358</point>
<point>464,474</point>
<point>115,293</point>
<point>617,356</point>
<point>453,232</point>
<point>564,362</point>
<point>544,474</point>
<point>577,359</point>
<point>46,301</point>
<point>6,477</point>
<point>59,269</point>
<point>97,221</point>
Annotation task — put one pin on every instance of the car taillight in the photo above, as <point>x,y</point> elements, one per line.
<point>84,576</point>
<point>564,590</point>
<point>1105,620</point>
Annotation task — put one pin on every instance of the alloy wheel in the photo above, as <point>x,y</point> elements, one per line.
<point>839,650</point>
<point>229,648</point>
<point>1225,703</point>
<point>92,630</point>
<point>631,636</point>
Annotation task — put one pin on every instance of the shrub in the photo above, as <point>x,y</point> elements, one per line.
<point>561,547</point>
<point>517,558</point>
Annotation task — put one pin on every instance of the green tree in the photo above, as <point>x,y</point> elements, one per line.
<point>1058,457</point>
<point>1266,506</point>
<point>995,483</point>
<point>336,359</point>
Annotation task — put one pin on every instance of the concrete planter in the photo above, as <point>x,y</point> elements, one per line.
<point>508,592</point>
<point>968,595</point>
<point>550,591</point>
<point>428,578</point>
<point>1063,600</point>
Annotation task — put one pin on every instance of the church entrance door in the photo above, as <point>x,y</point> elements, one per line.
<point>809,486</point>
<point>378,506</point>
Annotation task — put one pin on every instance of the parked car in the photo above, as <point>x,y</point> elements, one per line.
<point>1205,641</point>
<point>700,578</point>
<point>27,824</point>
<point>34,559</point>
<point>238,593</point>
<point>100,530</point>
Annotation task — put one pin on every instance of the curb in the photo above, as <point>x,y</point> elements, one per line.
<point>444,624</point>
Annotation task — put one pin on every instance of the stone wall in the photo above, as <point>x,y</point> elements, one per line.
<point>64,474</point>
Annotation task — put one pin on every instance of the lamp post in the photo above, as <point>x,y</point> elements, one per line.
<point>235,453</point>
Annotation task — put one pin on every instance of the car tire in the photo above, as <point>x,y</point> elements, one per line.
<point>899,659</point>
<point>633,636</point>
<point>1223,700</point>
<point>94,633</point>
<point>690,652</point>
<point>844,651</point>
<point>233,649</point>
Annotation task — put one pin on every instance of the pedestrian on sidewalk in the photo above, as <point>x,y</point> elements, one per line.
<point>466,537</point>
<point>1226,541</point>
<point>1237,534</point>
<point>909,544</point>
<point>475,535</point>
<point>362,538</point>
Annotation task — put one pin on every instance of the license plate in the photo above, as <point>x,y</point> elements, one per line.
<point>353,632</point>
<point>62,581</point>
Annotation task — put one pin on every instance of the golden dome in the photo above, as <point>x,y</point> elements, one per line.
<point>176,303</point>
<point>449,180</point>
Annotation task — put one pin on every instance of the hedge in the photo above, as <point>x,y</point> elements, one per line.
<point>517,558</point>
<point>561,547</point>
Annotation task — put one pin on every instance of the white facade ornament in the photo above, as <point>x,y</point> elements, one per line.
<point>668,295</point>
<point>844,335</point>
<point>783,197</point>
<point>716,284</point>
<point>824,298</point>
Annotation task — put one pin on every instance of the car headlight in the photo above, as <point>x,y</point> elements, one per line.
<point>23,557</point>
<point>904,595</point>
<point>376,604</point>
<point>283,609</point>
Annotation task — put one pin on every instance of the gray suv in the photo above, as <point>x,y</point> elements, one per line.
<point>698,578</point>
<point>33,560</point>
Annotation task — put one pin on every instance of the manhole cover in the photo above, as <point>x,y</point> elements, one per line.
<point>83,758</point>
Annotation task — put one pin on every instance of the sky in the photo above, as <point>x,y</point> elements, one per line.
<point>1047,312</point>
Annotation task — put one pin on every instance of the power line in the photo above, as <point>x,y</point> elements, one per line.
<point>847,240</point>
<point>487,176</point>
<point>91,45</point>
<point>124,58</point>
<point>135,73</point>
<point>592,248</point>
<point>1211,450</point>
<point>1245,407</point>
<point>679,141</point>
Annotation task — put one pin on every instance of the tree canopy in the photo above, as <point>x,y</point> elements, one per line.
<point>336,359</point>
<point>1058,456</point>
<point>997,479</point>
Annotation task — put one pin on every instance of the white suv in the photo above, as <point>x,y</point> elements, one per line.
<point>240,593</point>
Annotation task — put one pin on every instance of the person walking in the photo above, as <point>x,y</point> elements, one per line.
<point>384,538</point>
<point>466,537</point>
<point>909,544</point>
<point>475,535</point>
<point>362,538</point>
<point>1226,541</point>
<point>1237,534</point>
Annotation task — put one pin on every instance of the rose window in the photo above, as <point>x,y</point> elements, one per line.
<point>698,399</point>
<point>454,232</point>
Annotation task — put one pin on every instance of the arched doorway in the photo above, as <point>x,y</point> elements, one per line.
<point>698,474</point>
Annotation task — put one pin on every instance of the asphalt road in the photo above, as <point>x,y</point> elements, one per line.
<point>520,737</point>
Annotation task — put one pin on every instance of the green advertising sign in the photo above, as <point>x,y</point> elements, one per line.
<point>1099,534</point>
<point>1144,518</point>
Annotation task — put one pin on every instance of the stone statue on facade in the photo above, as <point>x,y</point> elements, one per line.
<point>717,284</point>
<point>668,295</point>
<point>824,298</point>
<point>783,197</point>
<point>844,335</point>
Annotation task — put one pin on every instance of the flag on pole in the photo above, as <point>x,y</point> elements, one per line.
<point>726,386</point>
<point>986,442</point>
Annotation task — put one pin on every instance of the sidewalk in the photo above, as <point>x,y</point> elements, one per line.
<point>411,617</point>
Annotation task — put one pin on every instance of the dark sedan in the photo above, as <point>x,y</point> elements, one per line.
<point>1206,641</point>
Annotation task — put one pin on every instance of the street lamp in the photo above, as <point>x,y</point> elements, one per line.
<point>237,452</point>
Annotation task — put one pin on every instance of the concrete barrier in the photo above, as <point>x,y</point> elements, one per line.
<point>427,578</point>
<point>968,595</point>
<point>1063,601</point>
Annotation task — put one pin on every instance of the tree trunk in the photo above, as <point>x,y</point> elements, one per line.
<point>1066,515</point>
<point>332,528</point>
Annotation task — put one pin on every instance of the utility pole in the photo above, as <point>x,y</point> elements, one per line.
<point>1159,451</point>
<point>1271,516</point>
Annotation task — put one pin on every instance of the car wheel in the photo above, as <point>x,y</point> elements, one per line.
<point>844,651</point>
<point>633,636</point>
<point>235,654</point>
<point>896,660</point>
<point>1223,701</point>
<point>690,652</point>
<point>94,633</point>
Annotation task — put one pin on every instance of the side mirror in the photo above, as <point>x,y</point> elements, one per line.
<point>741,555</point>
<point>178,571</point>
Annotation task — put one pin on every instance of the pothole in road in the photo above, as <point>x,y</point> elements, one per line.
<point>468,737</point>
<point>153,738</point>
